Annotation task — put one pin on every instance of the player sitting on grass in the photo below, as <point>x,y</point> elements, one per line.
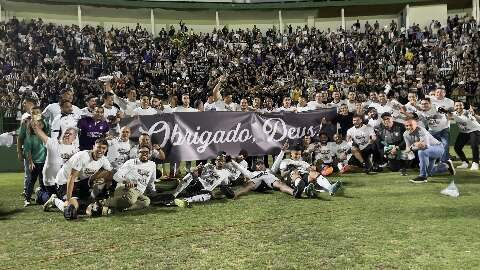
<point>133,178</point>
<point>79,173</point>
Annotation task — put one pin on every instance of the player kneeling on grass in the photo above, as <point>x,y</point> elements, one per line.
<point>133,178</point>
<point>82,176</point>
<point>260,179</point>
<point>200,183</point>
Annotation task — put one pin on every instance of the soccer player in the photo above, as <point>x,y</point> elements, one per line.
<point>58,153</point>
<point>64,120</point>
<point>438,125</point>
<point>198,185</point>
<point>133,177</point>
<point>53,109</point>
<point>262,178</point>
<point>119,148</point>
<point>362,138</point>
<point>469,127</point>
<point>76,174</point>
<point>429,149</point>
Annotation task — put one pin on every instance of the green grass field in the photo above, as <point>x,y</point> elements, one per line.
<point>382,222</point>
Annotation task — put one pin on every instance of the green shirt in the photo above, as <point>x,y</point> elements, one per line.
<point>32,144</point>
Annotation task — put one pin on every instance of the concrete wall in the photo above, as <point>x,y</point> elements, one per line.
<point>204,20</point>
<point>423,15</point>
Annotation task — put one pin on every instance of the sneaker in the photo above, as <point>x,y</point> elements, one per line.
<point>419,180</point>
<point>311,191</point>
<point>463,166</point>
<point>298,190</point>
<point>49,203</point>
<point>26,203</point>
<point>474,166</point>
<point>335,188</point>
<point>181,203</point>
<point>227,191</point>
<point>451,168</point>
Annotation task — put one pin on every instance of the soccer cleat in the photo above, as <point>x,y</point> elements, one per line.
<point>181,203</point>
<point>419,180</point>
<point>463,166</point>
<point>403,172</point>
<point>451,168</point>
<point>311,191</point>
<point>335,188</point>
<point>26,203</point>
<point>227,191</point>
<point>298,189</point>
<point>474,166</point>
<point>49,203</point>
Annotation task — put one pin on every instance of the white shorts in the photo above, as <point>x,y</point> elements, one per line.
<point>50,174</point>
<point>258,182</point>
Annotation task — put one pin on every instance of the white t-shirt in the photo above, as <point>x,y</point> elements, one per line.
<point>337,105</point>
<point>303,109</point>
<point>210,106</point>
<point>361,136</point>
<point>300,165</point>
<point>85,164</point>
<point>235,173</point>
<point>324,152</point>
<point>434,120</point>
<point>57,155</point>
<point>466,122</point>
<point>118,152</point>
<point>110,112</point>
<point>141,111</point>
<point>183,109</point>
<point>351,106</point>
<point>212,177</point>
<point>86,112</point>
<point>341,150</point>
<point>127,106</point>
<point>53,109</point>
<point>283,109</point>
<point>445,103</point>
<point>143,174</point>
<point>61,123</point>
<point>222,106</point>
<point>313,105</point>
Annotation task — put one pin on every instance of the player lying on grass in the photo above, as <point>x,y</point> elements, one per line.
<point>261,179</point>
<point>198,185</point>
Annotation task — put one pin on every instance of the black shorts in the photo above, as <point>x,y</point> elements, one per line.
<point>81,190</point>
<point>62,192</point>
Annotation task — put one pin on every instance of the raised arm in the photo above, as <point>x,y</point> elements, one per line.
<point>276,164</point>
<point>216,90</point>
<point>37,128</point>
<point>242,169</point>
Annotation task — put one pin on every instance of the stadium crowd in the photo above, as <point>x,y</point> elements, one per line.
<point>395,89</point>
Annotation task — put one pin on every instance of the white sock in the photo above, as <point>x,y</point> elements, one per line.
<point>323,182</point>
<point>59,204</point>
<point>199,198</point>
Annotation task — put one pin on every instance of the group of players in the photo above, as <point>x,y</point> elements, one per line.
<point>87,169</point>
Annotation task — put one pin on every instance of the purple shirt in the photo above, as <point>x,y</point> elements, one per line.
<point>90,131</point>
